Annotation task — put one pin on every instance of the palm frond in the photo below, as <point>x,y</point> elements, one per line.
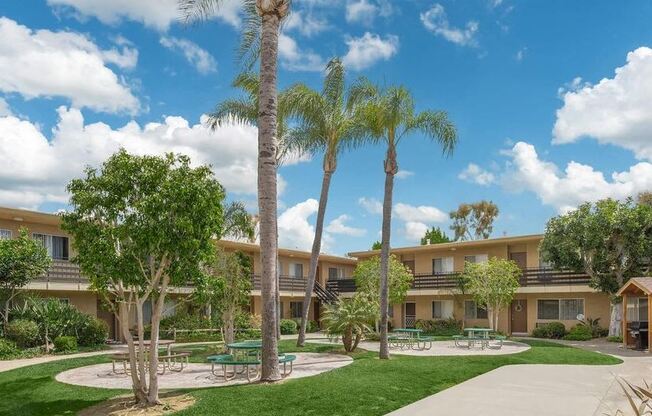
<point>333,90</point>
<point>437,126</point>
<point>226,111</point>
<point>198,10</point>
<point>248,51</point>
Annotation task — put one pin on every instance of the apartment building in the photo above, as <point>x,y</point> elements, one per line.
<point>545,295</point>
<point>65,282</point>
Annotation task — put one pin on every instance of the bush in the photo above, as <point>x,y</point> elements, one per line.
<point>184,320</point>
<point>94,332</point>
<point>312,326</point>
<point>553,330</point>
<point>65,344</point>
<point>440,327</point>
<point>615,339</point>
<point>579,333</point>
<point>288,327</point>
<point>8,349</point>
<point>24,332</point>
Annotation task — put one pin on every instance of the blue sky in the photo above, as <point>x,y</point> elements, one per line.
<point>551,100</point>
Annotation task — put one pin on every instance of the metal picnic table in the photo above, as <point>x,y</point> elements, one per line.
<point>408,337</point>
<point>478,334</point>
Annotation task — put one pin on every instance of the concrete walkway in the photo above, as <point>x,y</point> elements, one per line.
<point>537,390</point>
<point>439,348</point>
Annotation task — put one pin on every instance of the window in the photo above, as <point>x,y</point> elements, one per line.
<point>637,309</point>
<point>442,265</point>
<point>296,309</point>
<point>5,234</point>
<point>296,270</point>
<point>437,309</point>
<point>562,309</point>
<point>477,258</point>
<point>474,311</point>
<point>335,273</point>
<point>56,246</point>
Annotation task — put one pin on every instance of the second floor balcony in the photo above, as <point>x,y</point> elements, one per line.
<point>428,281</point>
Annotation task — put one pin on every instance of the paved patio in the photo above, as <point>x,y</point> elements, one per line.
<point>440,348</point>
<point>196,375</point>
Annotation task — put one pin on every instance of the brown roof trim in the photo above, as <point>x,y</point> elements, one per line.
<point>643,283</point>
<point>455,244</point>
<point>24,215</point>
<point>237,245</point>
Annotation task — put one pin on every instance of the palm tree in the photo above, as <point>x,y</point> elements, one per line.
<point>387,116</point>
<point>260,40</point>
<point>326,124</point>
<point>349,318</point>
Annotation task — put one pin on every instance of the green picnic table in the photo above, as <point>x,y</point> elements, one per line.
<point>410,338</point>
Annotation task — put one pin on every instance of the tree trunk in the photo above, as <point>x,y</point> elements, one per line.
<point>358,336</point>
<point>267,193</point>
<point>390,170</point>
<point>157,311</point>
<point>347,339</point>
<point>615,321</point>
<point>142,371</point>
<point>140,393</point>
<point>229,331</point>
<point>314,256</point>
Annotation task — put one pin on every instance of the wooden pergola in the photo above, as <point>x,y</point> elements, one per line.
<point>636,287</point>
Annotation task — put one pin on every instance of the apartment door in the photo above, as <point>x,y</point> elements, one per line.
<point>518,314</point>
<point>410,316</point>
<point>519,258</point>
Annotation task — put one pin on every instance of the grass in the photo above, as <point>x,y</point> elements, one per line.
<point>367,387</point>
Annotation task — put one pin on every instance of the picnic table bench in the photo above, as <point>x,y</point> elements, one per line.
<point>176,362</point>
<point>410,338</point>
<point>484,341</point>
<point>247,363</point>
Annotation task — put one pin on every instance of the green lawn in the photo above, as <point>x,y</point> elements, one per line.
<point>367,387</point>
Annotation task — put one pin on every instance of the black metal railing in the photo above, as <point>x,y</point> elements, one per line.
<point>449,280</point>
<point>298,284</point>
<point>63,271</point>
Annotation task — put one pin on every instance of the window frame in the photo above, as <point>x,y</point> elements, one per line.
<point>475,310</point>
<point>293,306</point>
<point>441,309</point>
<point>8,236</point>
<point>51,238</point>
<point>559,309</point>
<point>444,261</point>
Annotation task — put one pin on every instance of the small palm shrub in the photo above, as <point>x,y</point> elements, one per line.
<point>288,327</point>
<point>579,333</point>
<point>349,318</point>
<point>638,397</point>
<point>596,330</point>
<point>24,332</point>
<point>65,344</point>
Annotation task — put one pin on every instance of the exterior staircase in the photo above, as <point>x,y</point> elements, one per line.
<point>325,295</point>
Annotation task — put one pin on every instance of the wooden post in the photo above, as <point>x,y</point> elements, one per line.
<point>624,323</point>
<point>649,317</point>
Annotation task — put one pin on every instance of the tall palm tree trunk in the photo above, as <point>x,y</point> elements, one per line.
<point>316,248</point>
<point>390,170</point>
<point>267,192</point>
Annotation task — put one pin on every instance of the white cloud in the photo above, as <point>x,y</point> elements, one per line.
<point>156,14</point>
<point>365,11</point>
<point>436,21</point>
<point>371,205</point>
<point>520,54</point>
<point>294,59</point>
<point>5,110</point>
<point>367,50</point>
<point>422,213</point>
<point>36,168</point>
<point>578,183</point>
<point>294,230</point>
<point>614,111</point>
<point>475,174</point>
<point>404,174</point>
<point>414,230</point>
<point>196,56</point>
<point>305,23</point>
<point>64,64</point>
<point>338,226</point>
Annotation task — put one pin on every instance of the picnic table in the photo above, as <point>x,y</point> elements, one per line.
<point>480,336</point>
<point>245,354</point>
<point>410,338</point>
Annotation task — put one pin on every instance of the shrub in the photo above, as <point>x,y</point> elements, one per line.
<point>615,339</point>
<point>596,330</point>
<point>65,344</point>
<point>312,326</point>
<point>553,330</point>
<point>24,332</point>
<point>184,320</point>
<point>249,333</point>
<point>8,349</point>
<point>579,333</point>
<point>94,332</point>
<point>440,327</point>
<point>288,327</point>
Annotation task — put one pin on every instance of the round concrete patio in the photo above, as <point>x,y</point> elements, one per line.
<point>440,348</point>
<point>196,375</point>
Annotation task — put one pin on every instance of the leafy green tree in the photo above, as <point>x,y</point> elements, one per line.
<point>434,236</point>
<point>644,198</point>
<point>22,259</point>
<point>349,318</point>
<point>609,240</point>
<point>376,245</point>
<point>493,284</point>
<point>367,279</point>
<point>228,287</point>
<point>142,225</point>
<point>388,116</point>
<point>326,125</point>
<point>259,43</point>
<point>474,221</point>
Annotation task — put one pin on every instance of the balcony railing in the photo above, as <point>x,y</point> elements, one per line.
<point>530,277</point>
<point>63,271</point>
<point>286,283</point>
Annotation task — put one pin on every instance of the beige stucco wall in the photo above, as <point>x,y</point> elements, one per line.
<point>86,302</point>
<point>256,306</point>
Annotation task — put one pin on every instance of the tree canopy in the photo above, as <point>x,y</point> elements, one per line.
<point>22,259</point>
<point>474,221</point>
<point>367,278</point>
<point>493,284</point>
<point>434,236</point>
